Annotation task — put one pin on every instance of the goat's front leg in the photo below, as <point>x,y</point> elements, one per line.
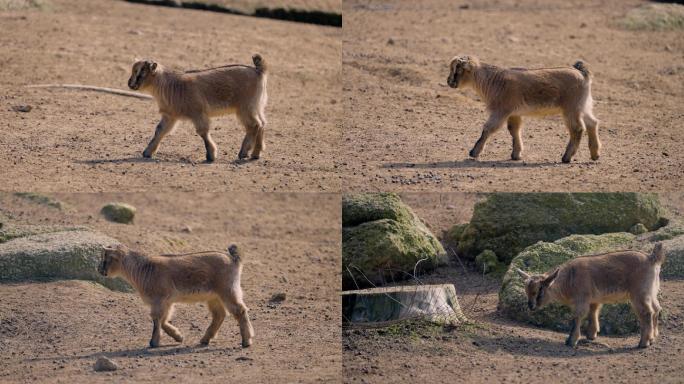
<point>159,312</point>
<point>202,127</point>
<point>493,124</point>
<point>580,313</point>
<point>164,126</point>
<point>645,314</point>
<point>515,129</point>
<point>594,326</point>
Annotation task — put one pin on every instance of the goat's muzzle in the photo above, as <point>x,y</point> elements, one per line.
<point>531,306</point>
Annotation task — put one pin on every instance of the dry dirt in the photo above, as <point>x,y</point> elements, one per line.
<point>404,129</point>
<point>494,349</point>
<point>54,332</point>
<point>84,141</point>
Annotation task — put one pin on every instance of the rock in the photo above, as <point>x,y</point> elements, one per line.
<point>638,229</point>
<point>506,223</point>
<point>615,319</point>
<point>41,199</point>
<point>104,364</point>
<point>278,298</point>
<point>119,212</point>
<point>186,229</point>
<point>390,41</point>
<point>383,240</point>
<point>487,262</point>
<point>364,207</point>
<point>54,254</point>
<point>22,108</point>
<point>437,303</point>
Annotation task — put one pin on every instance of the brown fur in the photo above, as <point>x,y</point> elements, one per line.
<point>515,92</point>
<point>161,281</point>
<point>199,95</point>
<point>586,283</point>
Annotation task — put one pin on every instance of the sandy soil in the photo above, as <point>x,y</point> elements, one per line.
<point>306,5</point>
<point>54,332</point>
<point>495,349</point>
<point>82,141</point>
<point>404,129</point>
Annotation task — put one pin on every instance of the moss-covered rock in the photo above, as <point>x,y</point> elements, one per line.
<point>119,212</point>
<point>364,207</point>
<point>487,262</point>
<point>383,240</point>
<point>11,231</point>
<point>544,256</point>
<point>506,223</point>
<point>56,255</point>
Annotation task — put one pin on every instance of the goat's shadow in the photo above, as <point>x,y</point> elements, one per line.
<point>540,347</point>
<point>471,163</point>
<point>174,349</point>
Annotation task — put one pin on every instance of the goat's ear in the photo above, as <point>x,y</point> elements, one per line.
<point>549,279</point>
<point>153,66</point>
<point>523,274</point>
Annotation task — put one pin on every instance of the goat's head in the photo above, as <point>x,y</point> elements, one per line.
<point>536,287</point>
<point>111,263</point>
<point>461,70</point>
<point>141,73</point>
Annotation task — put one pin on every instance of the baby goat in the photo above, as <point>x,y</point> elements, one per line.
<point>515,92</point>
<point>201,94</point>
<point>161,281</point>
<point>586,283</point>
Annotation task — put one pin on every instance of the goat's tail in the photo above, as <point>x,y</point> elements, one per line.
<point>235,254</point>
<point>658,254</point>
<point>259,63</point>
<point>582,67</point>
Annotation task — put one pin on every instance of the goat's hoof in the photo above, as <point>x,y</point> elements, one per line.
<point>255,157</point>
<point>246,343</point>
<point>516,157</point>
<point>154,344</point>
<point>473,154</point>
<point>178,338</point>
<point>242,156</point>
<point>595,157</point>
<point>146,154</point>
<point>566,159</point>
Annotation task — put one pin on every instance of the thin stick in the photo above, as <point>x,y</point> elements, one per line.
<point>80,87</point>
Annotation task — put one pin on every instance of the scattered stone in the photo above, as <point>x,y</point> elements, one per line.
<point>278,298</point>
<point>103,364</point>
<point>390,41</point>
<point>22,108</point>
<point>243,358</point>
<point>119,212</point>
<point>186,229</point>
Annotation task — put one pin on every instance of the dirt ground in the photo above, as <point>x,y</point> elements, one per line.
<point>84,141</point>
<point>495,349</point>
<point>405,129</point>
<point>54,332</point>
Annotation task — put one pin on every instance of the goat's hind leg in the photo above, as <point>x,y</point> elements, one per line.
<point>645,314</point>
<point>576,128</point>
<point>592,132</point>
<point>492,125</point>
<point>252,125</point>
<point>240,312</point>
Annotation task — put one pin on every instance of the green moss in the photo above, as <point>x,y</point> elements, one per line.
<point>487,262</point>
<point>506,223</point>
<point>386,250</point>
<point>638,229</point>
<point>41,199</point>
<point>654,17</point>
<point>364,207</point>
<point>10,231</point>
<point>119,212</point>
